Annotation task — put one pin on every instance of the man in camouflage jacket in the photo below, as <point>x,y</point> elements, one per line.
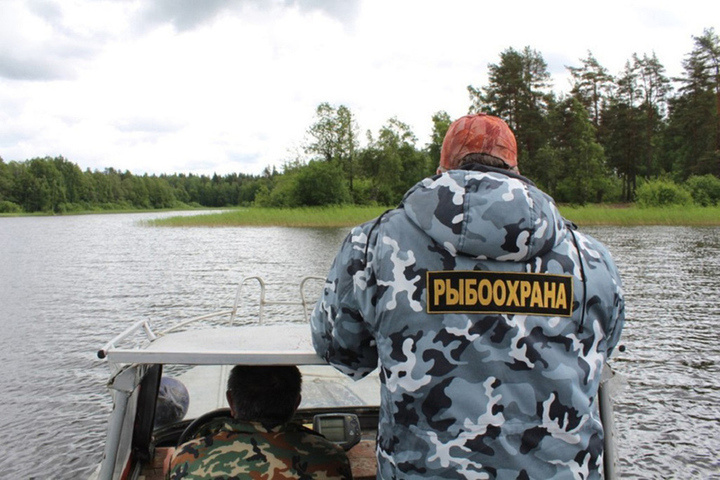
<point>489,316</point>
<point>260,442</point>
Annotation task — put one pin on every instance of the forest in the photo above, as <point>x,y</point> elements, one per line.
<point>634,136</point>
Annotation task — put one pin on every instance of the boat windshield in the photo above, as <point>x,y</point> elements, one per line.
<point>323,387</point>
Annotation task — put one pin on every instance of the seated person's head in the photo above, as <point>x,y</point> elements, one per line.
<point>266,394</point>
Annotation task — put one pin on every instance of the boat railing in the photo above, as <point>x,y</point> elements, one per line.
<point>232,313</point>
<point>264,301</point>
<point>143,325</point>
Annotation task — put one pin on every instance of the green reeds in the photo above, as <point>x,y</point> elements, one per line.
<point>340,216</point>
<point>630,215</point>
<point>347,216</point>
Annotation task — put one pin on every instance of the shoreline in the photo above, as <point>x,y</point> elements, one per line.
<point>628,215</point>
<point>349,216</point>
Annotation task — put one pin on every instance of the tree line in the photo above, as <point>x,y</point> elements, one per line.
<point>58,185</point>
<point>596,143</point>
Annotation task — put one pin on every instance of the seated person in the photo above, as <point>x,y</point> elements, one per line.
<point>260,442</point>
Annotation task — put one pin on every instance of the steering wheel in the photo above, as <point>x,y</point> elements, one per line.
<point>192,430</point>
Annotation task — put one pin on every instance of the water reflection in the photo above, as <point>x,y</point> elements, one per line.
<point>67,284</point>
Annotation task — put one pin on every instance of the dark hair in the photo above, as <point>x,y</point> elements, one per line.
<point>266,394</point>
<point>484,159</point>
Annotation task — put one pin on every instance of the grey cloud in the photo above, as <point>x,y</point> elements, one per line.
<point>33,67</point>
<point>344,11</point>
<point>52,60</point>
<point>27,57</point>
<point>22,58</point>
<point>48,10</point>
<point>189,14</point>
<point>183,14</point>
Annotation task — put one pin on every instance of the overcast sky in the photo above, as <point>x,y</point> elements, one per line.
<point>220,86</point>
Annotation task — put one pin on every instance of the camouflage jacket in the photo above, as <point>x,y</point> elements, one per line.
<point>247,450</point>
<point>489,332</point>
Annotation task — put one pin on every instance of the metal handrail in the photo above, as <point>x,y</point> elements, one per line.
<point>144,325</point>
<point>264,301</point>
<point>302,295</point>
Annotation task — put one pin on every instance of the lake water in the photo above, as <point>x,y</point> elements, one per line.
<point>68,284</point>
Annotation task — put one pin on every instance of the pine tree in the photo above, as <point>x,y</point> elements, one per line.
<point>592,86</point>
<point>693,137</point>
<point>576,162</point>
<point>518,92</point>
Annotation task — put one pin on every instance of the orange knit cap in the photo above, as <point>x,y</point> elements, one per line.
<point>479,133</point>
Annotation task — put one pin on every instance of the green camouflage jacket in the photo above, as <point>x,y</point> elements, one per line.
<point>247,450</point>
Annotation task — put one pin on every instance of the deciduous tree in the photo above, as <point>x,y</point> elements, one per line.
<point>334,138</point>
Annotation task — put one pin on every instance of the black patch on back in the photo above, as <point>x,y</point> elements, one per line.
<point>436,402</point>
<point>406,415</point>
<point>523,475</point>
<point>446,338</point>
<point>531,438</point>
<point>478,444</point>
<point>513,232</point>
<point>441,365</point>
<point>407,467</point>
<point>446,210</point>
<point>562,414</point>
<point>397,339</point>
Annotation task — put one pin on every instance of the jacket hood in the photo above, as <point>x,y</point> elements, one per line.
<point>485,214</point>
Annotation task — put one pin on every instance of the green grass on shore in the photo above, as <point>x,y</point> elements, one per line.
<point>352,215</point>
<point>625,215</point>
<point>278,217</point>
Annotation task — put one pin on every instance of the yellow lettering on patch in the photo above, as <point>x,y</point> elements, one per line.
<point>512,293</point>
<point>471,293</point>
<point>536,299</point>
<point>561,299</point>
<point>453,297</point>
<point>549,294</point>
<point>439,289</point>
<point>499,291</point>
<point>520,293</point>
<point>485,292</point>
<point>525,288</point>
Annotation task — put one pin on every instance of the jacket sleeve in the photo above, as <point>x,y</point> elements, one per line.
<point>606,298</point>
<point>340,333</point>
<point>617,315</point>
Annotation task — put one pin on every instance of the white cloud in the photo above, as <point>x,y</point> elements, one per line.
<point>216,86</point>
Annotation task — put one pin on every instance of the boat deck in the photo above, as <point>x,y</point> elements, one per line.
<point>280,344</point>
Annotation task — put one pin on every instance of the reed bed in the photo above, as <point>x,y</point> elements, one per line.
<point>625,215</point>
<point>280,217</point>
<point>346,216</point>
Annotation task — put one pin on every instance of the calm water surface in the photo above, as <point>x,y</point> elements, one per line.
<point>68,284</point>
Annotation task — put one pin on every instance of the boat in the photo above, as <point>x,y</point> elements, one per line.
<point>200,351</point>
